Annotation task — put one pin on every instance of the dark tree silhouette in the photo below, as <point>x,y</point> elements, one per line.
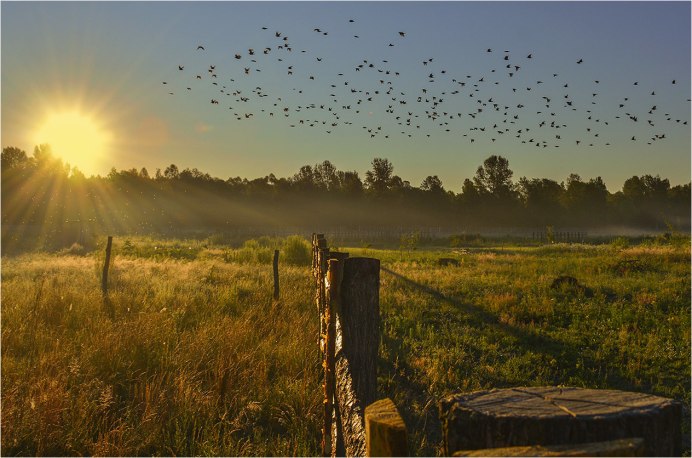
<point>171,172</point>
<point>494,178</point>
<point>541,199</point>
<point>433,185</point>
<point>13,157</point>
<point>379,179</point>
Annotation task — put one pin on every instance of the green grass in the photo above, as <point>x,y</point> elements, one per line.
<point>198,361</point>
<point>495,321</point>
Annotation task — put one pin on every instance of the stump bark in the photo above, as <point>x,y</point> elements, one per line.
<point>553,416</point>
<point>619,447</point>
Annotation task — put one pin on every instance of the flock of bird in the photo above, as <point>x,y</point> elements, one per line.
<point>506,100</point>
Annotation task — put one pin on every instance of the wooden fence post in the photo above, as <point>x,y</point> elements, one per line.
<point>333,280</point>
<point>385,431</point>
<point>106,265</point>
<point>276,275</point>
<point>334,298</point>
<point>357,343</point>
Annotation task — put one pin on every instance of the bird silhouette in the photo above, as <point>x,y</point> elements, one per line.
<point>200,47</point>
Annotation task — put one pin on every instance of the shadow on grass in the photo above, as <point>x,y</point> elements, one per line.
<point>485,318</point>
<point>566,353</point>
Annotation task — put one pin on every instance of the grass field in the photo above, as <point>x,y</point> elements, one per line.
<point>196,359</point>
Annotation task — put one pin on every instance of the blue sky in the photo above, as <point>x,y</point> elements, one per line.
<point>110,59</point>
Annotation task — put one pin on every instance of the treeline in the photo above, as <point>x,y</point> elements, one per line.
<point>43,194</point>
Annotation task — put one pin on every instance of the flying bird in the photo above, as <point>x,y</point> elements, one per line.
<point>200,47</point>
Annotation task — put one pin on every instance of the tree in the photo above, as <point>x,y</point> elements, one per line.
<point>495,178</point>
<point>350,183</point>
<point>541,198</point>
<point>171,172</point>
<point>655,188</point>
<point>304,180</point>
<point>469,195</point>
<point>586,201</point>
<point>326,176</point>
<point>13,157</point>
<point>379,178</point>
<point>433,185</point>
<point>47,162</point>
<point>634,189</point>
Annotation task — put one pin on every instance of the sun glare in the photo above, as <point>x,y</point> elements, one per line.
<point>76,138</point>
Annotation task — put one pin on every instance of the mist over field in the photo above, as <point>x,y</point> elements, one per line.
<point>47,204</point>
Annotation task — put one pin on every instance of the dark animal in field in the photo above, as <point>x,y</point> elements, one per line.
<point>448,262</point>
<point>564,280</point>
<point>566,283</point>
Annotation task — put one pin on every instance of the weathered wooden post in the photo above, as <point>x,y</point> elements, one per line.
<point>322,265</point>
<point>332,304</point>
<point>385,431</point>
<point>547,416</point>
<point>333,279</point>
<point>319,245</point>
<point>106,265</point>
<point>357,328</point>
<point>276,275</point>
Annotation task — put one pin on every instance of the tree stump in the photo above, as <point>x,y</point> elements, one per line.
<point>553,416</point>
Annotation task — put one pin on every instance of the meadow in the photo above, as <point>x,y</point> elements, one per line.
<point>190,355</point>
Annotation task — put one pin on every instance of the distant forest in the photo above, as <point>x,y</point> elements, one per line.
<point>41,194</point>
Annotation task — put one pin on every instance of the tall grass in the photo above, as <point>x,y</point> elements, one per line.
<point>198,360</point>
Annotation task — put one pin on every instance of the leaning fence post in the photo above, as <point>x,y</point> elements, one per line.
<point>276,275</point>
<point>106,265</point>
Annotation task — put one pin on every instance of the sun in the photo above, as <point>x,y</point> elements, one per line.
<point>76,138</point>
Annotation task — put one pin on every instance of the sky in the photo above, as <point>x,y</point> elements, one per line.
<point>437,100</point>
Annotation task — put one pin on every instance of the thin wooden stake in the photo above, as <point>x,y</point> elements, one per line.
<point>276,275</point>
<point>106,265</point>
<point>334,275</point>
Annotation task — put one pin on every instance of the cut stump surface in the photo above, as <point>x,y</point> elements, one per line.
<point>553,416</point>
